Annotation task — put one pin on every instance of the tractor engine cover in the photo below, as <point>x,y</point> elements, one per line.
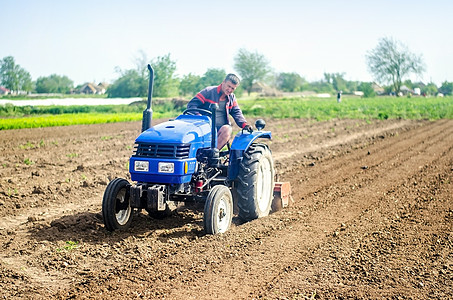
<point>166,153</point>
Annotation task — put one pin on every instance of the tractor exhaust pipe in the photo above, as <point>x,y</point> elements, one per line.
<point>148,112</point>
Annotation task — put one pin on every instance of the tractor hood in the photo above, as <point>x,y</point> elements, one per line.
<point>185,129</point>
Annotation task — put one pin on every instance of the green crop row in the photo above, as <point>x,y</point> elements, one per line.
<point>307,108</point>
<point>17,117</point>
<point>161,106</point>
<point>66,119</point>
<point>353,108</point>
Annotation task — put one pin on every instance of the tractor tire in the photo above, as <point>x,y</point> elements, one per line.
<point>255,183</point>
<point>218,210</point>
<point>116,208</point>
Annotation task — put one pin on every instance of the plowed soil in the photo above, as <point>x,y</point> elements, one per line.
<point>371,217</point>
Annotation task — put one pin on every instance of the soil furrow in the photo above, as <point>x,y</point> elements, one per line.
<point>372,218</point>
<point>318,226</point>
<point>322,223</point>
<point>331,172</point>
<point>395,236</point>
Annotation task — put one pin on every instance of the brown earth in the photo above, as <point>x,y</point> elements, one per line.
<point>372,217</point>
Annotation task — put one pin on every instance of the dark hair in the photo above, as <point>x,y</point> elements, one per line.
<point>234,79</point>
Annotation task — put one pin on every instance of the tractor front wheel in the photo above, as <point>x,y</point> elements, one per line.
<point>255,183</point>
<point>218,210</point>
<point>116,208</point>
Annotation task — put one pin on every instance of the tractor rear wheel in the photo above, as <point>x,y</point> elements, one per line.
<point>255,182</point>
<point>218,210</point>
<point>116,208</point>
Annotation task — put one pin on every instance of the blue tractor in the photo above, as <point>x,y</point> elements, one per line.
<point>177,162</point>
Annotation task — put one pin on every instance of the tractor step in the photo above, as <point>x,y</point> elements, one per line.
<point>282,196</point>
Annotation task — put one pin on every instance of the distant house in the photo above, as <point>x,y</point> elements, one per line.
<point>265,90</point>
<point>377,88</point>
<point>4,90</point>
<point>404,90</point>
<point>92,89</point>
<point>418,87</point>
<point>102,87</point>
<point>88,88</point>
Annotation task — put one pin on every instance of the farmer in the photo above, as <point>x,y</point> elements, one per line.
<point>226,100</point>
<point>339,96</point>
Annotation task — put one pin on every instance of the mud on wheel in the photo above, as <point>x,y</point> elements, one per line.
<point>116,209</point>
<point>255,183</point>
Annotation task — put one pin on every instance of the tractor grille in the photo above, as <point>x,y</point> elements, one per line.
<point>162,150</point>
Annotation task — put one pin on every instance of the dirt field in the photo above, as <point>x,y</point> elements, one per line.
<point>372,217</point>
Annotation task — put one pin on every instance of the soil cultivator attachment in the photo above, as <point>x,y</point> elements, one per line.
<point>282,196</point>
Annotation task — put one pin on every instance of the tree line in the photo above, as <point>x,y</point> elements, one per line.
<point>390,63</point>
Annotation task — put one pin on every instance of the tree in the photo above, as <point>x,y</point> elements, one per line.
<point>54,84</point>
<point>446,88</point>
<point>130,84</point>
<point>25,81</point>
<point>252,67</point>
<point>189,84</point>
<point>192,84</point>
<point>322,87</point>
<point>409,84</point>
<point>213,77</point>
<point>429,89</point>
<point>391,61</point>
<point>165,82</point>
<point>336,80</point>
<point>289,82</point>
<point>351,86</point>
<point>367,89</point>
<point>134,82</point>
<point>13,76</point>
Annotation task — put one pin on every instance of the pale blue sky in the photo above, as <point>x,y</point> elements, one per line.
<point>86,40</point>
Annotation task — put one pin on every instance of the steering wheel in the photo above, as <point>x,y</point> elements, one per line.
<point>195,111</point>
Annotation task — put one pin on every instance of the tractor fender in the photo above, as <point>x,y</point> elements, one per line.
<point>241,143</point>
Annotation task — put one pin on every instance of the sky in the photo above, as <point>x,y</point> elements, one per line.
<point>92,41</point>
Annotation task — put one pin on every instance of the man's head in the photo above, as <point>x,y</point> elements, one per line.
<point>233,78</point>
<point>230,83</point>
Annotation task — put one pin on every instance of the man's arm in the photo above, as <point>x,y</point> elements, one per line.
<point>195,102</point>
<point>237,115</point>
<point>201,100</point>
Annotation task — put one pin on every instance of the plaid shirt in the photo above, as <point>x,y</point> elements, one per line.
<point>212,95</point>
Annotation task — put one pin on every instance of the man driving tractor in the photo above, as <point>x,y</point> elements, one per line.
<point>227,104</point>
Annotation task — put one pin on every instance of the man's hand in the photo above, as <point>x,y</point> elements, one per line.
<point>248,128</point>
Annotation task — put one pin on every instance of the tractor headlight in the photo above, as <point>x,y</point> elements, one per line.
<point>166,167</point>
<point>141,166</point>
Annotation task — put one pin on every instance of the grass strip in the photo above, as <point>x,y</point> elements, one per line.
<point>66,120</point>
<point>352,108</point>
